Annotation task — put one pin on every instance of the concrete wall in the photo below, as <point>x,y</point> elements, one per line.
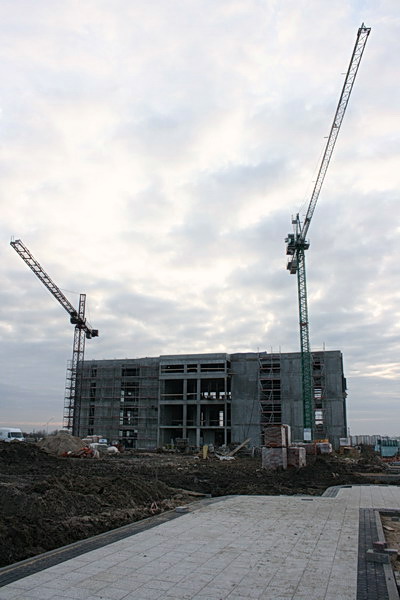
<point>245,398</point>
<point>333,396</point>
<point>291,390</point>
<point>335,402</point>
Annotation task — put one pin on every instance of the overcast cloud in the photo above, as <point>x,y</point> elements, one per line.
<point>152,154</point>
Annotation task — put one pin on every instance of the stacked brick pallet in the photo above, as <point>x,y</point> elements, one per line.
<point>277,452</point>
<point>274,452</point>
<point>296,456</point>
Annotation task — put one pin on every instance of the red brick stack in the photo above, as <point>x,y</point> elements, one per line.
<point>278,453</point>
<point>274,453</point>
<point>296,456</point>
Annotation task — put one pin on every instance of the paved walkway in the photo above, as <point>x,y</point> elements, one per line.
<point>236,548</point>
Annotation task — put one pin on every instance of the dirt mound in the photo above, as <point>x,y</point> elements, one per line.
<point>20,453</point>
<point>47,501</point>
<point>60,443</point>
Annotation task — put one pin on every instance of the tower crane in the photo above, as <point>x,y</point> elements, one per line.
<point>297,243</point>
<point>82,332</point>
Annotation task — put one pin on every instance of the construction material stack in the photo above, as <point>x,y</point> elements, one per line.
<point>297,457</point>
<point>274,452</point>
<point>278,452</point>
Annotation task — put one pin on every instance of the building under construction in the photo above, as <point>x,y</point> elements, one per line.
<point>208,398</point>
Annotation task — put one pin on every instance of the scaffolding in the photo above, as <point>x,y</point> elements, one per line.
<point>270,396</point>
<point>270,392</point>
<point>319,394</point>
<point>121,402</point>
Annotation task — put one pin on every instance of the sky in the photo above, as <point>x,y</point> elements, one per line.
<point>152,156</point>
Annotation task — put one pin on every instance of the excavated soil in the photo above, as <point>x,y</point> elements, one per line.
<point>48,501</point>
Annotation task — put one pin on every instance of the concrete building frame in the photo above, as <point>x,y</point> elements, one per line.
<point>213,398</point>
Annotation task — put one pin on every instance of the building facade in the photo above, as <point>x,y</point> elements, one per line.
<point>207,398</point>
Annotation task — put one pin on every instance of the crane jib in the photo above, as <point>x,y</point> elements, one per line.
<point>362,36</point>
<point>41,274</point>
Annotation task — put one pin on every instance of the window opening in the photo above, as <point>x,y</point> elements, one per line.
<point>130,372</point>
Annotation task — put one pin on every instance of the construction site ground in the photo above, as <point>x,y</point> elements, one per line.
<point>47,501</point>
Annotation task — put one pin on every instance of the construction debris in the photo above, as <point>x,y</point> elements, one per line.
<point>242,445</point>
<point>84,452</point>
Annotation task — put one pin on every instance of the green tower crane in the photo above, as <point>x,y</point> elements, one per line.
<point>297,243</point>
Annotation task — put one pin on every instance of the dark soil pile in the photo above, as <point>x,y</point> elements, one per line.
<point>47,502</point>
<point>245,476</point>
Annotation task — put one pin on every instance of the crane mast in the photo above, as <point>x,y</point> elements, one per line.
<point>297,244</point>
<point>82,332</point>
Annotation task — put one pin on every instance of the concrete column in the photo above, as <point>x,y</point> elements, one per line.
<point>225,411</point>
<point>159,415</point>
<point>184,420</point>
<point>198,425</point>
<point>184,390</point>
<point>184,409</point>
<point>198,414</point>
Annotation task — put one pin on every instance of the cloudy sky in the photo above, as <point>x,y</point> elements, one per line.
<point>152,154</point>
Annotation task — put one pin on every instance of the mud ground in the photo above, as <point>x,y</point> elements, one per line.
<point>47,502</point>
<point>391,530</point>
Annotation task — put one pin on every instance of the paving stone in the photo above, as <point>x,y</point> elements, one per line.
<point>377,557</point>
<point>10,593</point>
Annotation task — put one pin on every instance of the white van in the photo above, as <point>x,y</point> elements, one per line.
<point>11,434</point>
